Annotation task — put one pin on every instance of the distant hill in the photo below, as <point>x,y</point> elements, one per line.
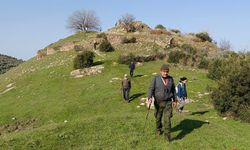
<point>7,62</point>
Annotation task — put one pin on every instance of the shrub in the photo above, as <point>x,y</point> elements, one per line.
<point>233,93</point>
<point>106,46</point>
<point>204,36</point>
<point>128,40</point>
<point>160,31</point>
<point>83,60</point>
<point>159,26</point>
<point>215,69</point>
<point>126,59</point>
<point>203,63</point>
<point>189,49</point>
<point>102,35</point>
<point>7,62</point>
<point>175,56</point>
<point>175,31</point>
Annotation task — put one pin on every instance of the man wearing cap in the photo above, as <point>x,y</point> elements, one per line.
<point>126,86</point>
<point>162,88</point>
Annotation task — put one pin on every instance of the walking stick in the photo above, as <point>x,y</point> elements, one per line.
<point>148,110</point>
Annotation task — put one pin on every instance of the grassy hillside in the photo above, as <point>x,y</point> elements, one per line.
<point>45,108</point>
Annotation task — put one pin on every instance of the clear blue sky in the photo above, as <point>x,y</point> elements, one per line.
<point>29,25</point>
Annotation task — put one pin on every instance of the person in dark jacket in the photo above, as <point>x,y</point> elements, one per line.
<point>131,69</point>
<point>182,93</point>
<point>162,88</point>
<point>126,86</point>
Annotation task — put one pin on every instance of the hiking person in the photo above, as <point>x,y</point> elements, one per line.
<point>126,86</point>
<point>162,88</point>
<point>181,94</point>
<point>131,69</point>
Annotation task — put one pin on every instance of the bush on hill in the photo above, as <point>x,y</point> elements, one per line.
<point>106,46</point>
<point>160,26</point>
<point>102,35</point>
<point>160,31</point>
<point>175,31</point>
<point>83,60</point>
<point>126,40</point>
<point>204,36</point>
<point>175,56</point>
<point>127,59</point>
<point>232,96</point>
<point>7,62</point>
<point>216,69</point>
<point>204,63</point>
<point>188,49</point>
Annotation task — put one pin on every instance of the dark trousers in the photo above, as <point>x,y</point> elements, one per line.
<point>163,109</point>
<point>131,73</point>
<point>125,93</point>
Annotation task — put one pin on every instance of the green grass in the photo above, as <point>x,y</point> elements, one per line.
<point>96,116</point>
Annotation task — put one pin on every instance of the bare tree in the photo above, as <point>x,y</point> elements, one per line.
<point>225,45</point>
<point>126,21</point>
<point>83,21</point>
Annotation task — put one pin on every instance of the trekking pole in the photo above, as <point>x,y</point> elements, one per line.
<point>148,110</point>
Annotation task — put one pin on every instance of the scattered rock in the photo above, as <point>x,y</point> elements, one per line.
<point>65,121</point>
<point>7,90</point>
<point>87,71</point>
<point>79,76</point>
<point>154,73</point>
<point>143,100</point>
<point>142,104</point>
<point>138,106</point>
<point>224,118</point>
<point>116,78</point>
<point>10,85</point>
<point>200,95</point>
<point>114,63</point>
<point>138,64</point>
<point>75,72</point>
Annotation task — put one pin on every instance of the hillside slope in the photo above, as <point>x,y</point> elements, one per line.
<point>45,108</point>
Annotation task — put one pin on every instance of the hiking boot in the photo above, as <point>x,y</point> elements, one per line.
<point>168,137</point>
<point>158,132</point>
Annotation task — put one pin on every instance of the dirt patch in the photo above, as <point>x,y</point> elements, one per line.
<point>17,126</point>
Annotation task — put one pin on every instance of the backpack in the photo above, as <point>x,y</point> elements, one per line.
<point>176,88</point>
